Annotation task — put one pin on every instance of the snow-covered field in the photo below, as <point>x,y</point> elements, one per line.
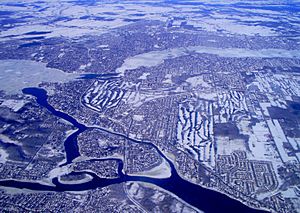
<point>195,130</point>
<point>104,95</point>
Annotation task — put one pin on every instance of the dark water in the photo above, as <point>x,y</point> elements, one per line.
<point>15,4</point>
<point>34,38</point>
<point>37,33</point>
<point>35,43</point>
<point>204,199</point>
<point>105,76</point>
<point>70,144</point>
<point>131,20</point>
<point>6,13</point>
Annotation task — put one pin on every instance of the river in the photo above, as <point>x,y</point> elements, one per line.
<point>204,199</point>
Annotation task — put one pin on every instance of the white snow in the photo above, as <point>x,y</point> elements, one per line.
<point>144,76</point>
<point>14,104</point>
<point>6,139</point>
<point>197,81</point>
<point>154,58</point>
<point>279,138</point>
<point>161,171</point>
<point>17,74</point>
<point>168,79</point>
<point>3,156</point>
<point>86,179</point>
<point>138,117</point>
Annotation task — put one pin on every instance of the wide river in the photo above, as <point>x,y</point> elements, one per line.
<point>204,199</point>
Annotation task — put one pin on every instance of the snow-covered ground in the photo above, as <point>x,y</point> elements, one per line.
<point>154,58</point>
<point>18,74</point>
<point>86,179</point>
<point>195,130</point>
<point>161,171</point>
<point>13,104</point>
<point>228,19</point>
